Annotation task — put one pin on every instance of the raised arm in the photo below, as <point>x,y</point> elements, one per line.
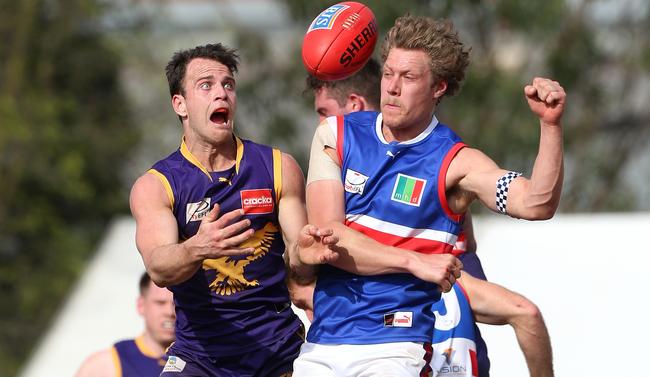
<point>474,175</point>
<point>167,260</point>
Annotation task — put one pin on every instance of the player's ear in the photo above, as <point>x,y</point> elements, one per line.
<point>439,89</point>
<point>355,103</point>
<point>140,305</point>
<point>179,105</point>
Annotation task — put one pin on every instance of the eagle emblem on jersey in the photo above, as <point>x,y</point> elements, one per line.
<point>229,277</point>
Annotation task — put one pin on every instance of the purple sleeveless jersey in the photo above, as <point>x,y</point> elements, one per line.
<point>134,361</point>
<point>232,305</point>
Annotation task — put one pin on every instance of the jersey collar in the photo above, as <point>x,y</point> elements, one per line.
<point>420,137</point>
<point>185,151</point>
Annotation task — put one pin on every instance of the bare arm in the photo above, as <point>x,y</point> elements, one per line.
<point>474,175</point>
<point>496,305</point>
<point>167,260</point>
<point>99,364</point>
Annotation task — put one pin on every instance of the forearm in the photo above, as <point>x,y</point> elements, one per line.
<point>363,255</point>
<point>301,272</point>
<point>545,187</point>
<point>171,264</point>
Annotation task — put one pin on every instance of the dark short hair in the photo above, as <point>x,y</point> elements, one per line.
<point>145,280</point>
<point>175,69</point>
<point>366,82</point>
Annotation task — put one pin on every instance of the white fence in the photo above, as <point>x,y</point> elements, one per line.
<point>587,273</point>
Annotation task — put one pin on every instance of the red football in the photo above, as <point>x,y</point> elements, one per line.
<point>339,41</point>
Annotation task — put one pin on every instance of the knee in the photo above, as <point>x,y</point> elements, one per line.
<point>528,313</point>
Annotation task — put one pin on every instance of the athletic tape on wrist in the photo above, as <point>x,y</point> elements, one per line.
<point>502,190</point>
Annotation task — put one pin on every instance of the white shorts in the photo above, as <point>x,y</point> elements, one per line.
<point>402,359</point>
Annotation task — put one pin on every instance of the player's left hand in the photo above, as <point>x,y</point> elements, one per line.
<point>546,99</point>
<point>315,245</point>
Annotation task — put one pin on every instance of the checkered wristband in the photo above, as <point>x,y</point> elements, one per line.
<point>502,190</point>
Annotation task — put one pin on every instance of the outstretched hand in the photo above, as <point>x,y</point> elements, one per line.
<point>315,245</point>
<point>546,98</point>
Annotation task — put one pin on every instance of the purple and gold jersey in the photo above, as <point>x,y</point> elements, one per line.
<point>132,359</point>
<point>232,305</point>
<point>395,194</point>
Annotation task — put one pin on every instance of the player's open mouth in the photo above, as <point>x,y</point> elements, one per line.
<point>219,116</point>
<point>168,325</point>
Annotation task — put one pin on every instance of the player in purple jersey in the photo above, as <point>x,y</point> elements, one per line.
<point>212,221</point>
<point>143,356</point>
<point>361,93</point>
<point>423,61</point>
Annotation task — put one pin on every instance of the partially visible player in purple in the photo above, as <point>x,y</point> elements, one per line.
<point>213,220</point>
<point>143,356</point>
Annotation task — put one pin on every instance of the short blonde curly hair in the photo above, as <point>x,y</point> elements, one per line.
<point>438,39</point>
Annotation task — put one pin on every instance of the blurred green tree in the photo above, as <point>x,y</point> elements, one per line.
<point>64,131</point>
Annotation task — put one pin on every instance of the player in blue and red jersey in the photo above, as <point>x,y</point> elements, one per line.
<point>407,180</point>
<point>212,221</point>
<point>494,304</point>
<point>143,356</point>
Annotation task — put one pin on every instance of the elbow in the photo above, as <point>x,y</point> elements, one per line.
<point>159,280</point>
<point>540,214</point>
<point>541,210</point>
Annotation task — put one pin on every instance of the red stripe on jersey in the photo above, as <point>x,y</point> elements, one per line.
<point>472,355</point>
<point>428,355</point>
<point>410,243</point>
<point>339,138</point>
<point>461,244</point>
<point>442,181</point>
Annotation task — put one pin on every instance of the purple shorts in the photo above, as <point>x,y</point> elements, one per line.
<point>275,360</point>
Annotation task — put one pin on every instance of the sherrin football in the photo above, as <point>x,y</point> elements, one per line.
<point>339,41</point>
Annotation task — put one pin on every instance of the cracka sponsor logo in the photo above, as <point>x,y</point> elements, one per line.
<point>197,211</point>
<point>408,190</point>
<point>398,319</point>
<point>326,19</point>
<point>355,182</point>
<point>258,201</point>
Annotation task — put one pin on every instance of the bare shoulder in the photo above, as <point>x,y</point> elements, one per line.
<point>468,161</point>
<point>99,364</point>
<point>289,162</point>
<point>293,179</point>
<point>148,190</point>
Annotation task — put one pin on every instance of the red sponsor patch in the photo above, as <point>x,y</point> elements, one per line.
<point>257,201</point>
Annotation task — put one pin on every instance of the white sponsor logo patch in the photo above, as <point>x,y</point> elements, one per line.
<point>355,182</point>
<point>174,364</point>
<point>197,211</point>
<point>398,319</point>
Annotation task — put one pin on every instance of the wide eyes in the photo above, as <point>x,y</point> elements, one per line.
<point>206,85</point>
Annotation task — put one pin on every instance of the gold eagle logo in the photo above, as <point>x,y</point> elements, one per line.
<point>230,270</point>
